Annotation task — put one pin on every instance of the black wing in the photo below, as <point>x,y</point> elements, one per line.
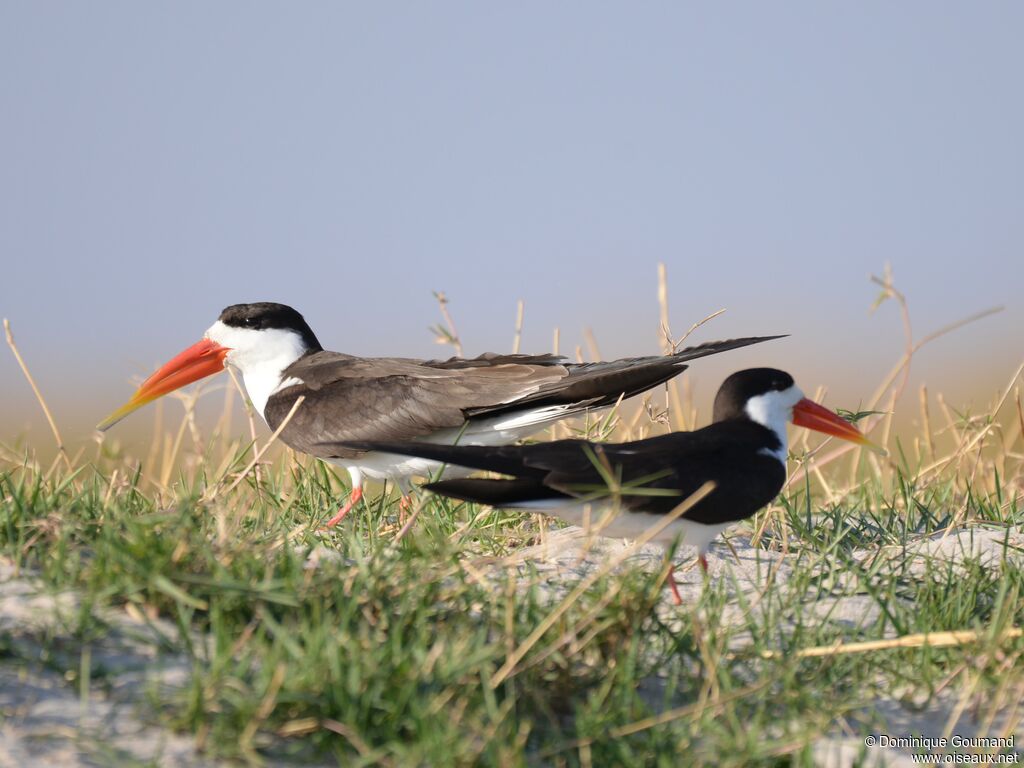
<point>673,466</point>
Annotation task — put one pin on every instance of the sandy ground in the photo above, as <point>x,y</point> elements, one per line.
<point>46,719</point>
<point>50,720</point>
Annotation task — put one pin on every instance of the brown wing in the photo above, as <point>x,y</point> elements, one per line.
<point>488,359</point>
<point>600,384</point>
<point>352,398</point>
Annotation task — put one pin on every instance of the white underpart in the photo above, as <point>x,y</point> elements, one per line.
<point>501,430</point>
<point>600,519</point>
<point>774,410</point>
<point>260,356</point>
<point>531,421</point>
<point>389,466</point>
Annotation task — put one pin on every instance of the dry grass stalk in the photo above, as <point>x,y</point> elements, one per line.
<point>517,339</point>
<point>226,528</point>
<point>969,445</point>
<point>926,423</point>
<point>158,430</point>
<point>259,454</point>
<point>353,738</point>
<point>170,458</point>
<point>39,395</point>
<point>904,361</point>
<point>572,636</point>
<point>666,338</point>
<point>408,524</point>
<point>887,383</point>
<point>672,402</point>
<point>449,335</point>
<point>252,422</point>
<point>677,417</point>
<point>918,640</point>
<point>223,428</point>
<point>592,348</point>
<point>264,711</point>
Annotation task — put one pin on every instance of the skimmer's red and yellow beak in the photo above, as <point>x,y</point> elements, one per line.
<point>202,359</point>
<point>810,415</point>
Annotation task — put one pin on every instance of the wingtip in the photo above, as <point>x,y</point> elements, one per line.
<point>759,339</point>
<point>724,345</point>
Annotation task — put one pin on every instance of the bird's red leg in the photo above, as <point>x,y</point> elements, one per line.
<point>404,503</point>
<point>353,499</point>
<point>676,597</point>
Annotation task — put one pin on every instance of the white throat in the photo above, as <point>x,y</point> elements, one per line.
<point>260,356</point>
<point>773,410</point>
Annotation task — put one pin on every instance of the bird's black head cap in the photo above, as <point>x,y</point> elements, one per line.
<point>732,397</point>
<point>268,314</point>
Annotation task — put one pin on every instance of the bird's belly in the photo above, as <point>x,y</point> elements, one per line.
<point>390,466</point>
<point>498,431</point>
<point>601,520</point>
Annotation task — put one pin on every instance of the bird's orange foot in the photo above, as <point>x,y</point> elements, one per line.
<point>353,499</point>
<point>404,505</point>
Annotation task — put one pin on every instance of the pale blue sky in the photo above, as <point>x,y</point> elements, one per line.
<point>161,161</point>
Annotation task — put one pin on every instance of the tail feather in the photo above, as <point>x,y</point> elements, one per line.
<point>504,459</point>
<point>496,493</point>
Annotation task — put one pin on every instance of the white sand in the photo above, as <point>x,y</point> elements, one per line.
<point>46,719</point>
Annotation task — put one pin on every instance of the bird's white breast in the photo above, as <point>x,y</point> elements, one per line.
<point>601,519</point>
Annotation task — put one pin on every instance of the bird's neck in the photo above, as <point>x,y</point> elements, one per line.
<point>768,414</point>
<point>263,371</point>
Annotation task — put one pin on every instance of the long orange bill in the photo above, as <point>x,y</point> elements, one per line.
<point>809,414</point>
<point>197,362</point>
